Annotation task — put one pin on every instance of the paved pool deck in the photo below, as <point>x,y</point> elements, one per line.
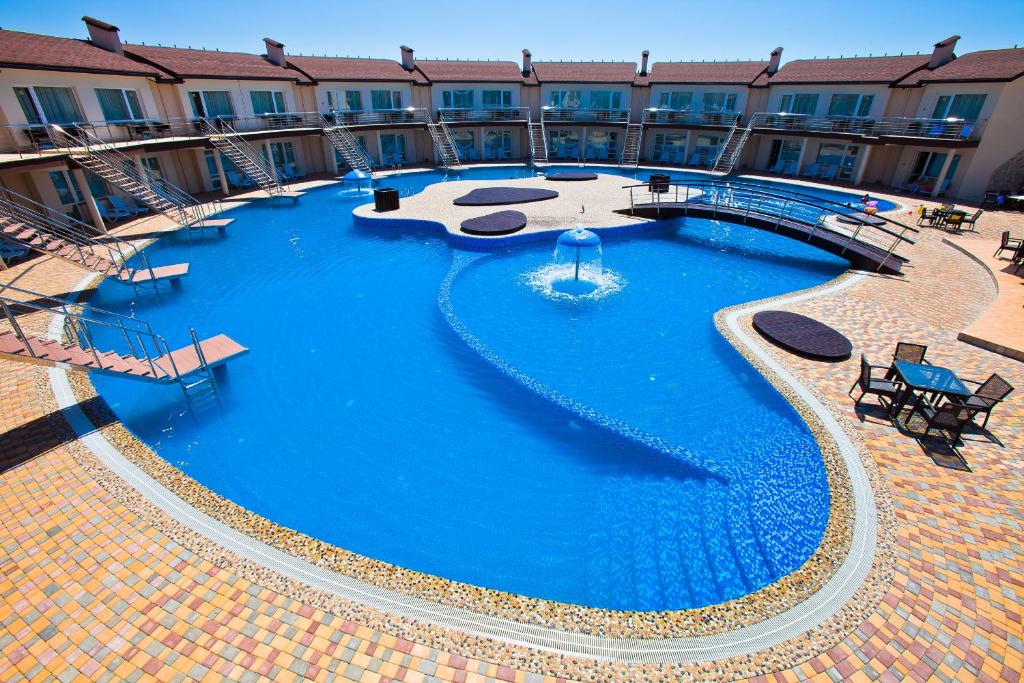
<point>96,585</point>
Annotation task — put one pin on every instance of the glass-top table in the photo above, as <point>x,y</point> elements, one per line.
<point>930,378</point>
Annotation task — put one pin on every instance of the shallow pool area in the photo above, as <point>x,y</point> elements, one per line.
<point>364,418</point>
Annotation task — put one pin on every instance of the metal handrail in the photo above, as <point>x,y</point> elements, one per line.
<point>484,114</point>
<point>806,209</point>
<point>869,126</point>
<point>225,132</point>
<point>550,114</point>
<point>85,318</point>
<point>691,117</point>
<point>76,233</point>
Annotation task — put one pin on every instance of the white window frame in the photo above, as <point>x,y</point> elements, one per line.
<point>127,105</point>
<point>39,107</point>
<point>206,108</point>
<point>273,99</point>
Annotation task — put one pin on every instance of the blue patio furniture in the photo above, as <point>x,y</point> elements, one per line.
<point>812,171</point>
<point>121,205</point>
<point>10,251</point>
<point>112,213</point>
<point>828,172</point>
<point>236,179</point>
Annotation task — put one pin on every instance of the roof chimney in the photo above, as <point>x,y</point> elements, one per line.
<point>527,63</point>
<point>275,52</point>
<point>408,63</point>
<point>104,35</point>
<point>773,61</point>
<point>943,52</point>
<point>644,56</point>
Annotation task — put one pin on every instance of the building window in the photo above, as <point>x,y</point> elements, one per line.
<point>497,99</point>
<point>841,158</point>
<point>119,105</point>
<point>564,144</point>
<point>340,160</point>
<point>847,104</point>
<point>465,144</point>
<point>784,156</point>
<point>267,102</point>
<point>457,99</point>
<point>67,187</point>
<point>966,107</point>
<point>719,102</point>
<point>386,99</point>
<point>152,164</point>
<point>211,103</point>
<point>48,105</point>
<point>565,99</point>
<point>602,145</point>
<point>670,147</point>
<point>605,99</point>
<point>679,101</point>
<point>800,104</point>
<point>498,144</point>
<point>392,149</point>
<point>348,100</point>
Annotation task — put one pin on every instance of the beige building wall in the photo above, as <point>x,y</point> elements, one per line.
<point>1002,138</point>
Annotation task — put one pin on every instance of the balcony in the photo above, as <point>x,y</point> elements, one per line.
<point>686,118</point>
<point>573,115</point>
<point>953,130</point>
<point>378,117</point>
<point>485,115</point>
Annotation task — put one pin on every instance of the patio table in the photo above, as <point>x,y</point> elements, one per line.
<point>928,379</point>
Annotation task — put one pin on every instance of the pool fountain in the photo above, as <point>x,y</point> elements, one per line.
<point>357,183</point>
<point>576,270</point>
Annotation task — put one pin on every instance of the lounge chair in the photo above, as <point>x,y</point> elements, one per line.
<point>122,206</point>
<point>292,172</point>
<point>680,156</point>
<point>790,168</point>
<point>159,187</point>
<point>696,159</point>
<point>948,416</point>
<point>111,213</point>
<point>828,172</point>
<point>236,179</point>
<point>871,385</point>
<point>1008,243</point>
<point>811,171</point>
<point>988,394</point>
<point>10,251</point>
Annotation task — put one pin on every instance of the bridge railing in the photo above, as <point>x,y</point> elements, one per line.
<point>815,213</point>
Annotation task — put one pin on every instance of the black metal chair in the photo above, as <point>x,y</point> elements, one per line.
<point>1008,243</point>
<point>988,394</point>
<point>970,221</point>
<point>873,385</point>
<point>907,352</point>
<point>928,215</point>
<point>944,416</point>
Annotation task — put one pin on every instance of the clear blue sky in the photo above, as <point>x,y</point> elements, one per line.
<point>551,29</point>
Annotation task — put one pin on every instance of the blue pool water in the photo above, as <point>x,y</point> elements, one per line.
<point>363,418</point>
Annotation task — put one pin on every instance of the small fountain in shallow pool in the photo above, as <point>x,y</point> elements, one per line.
<point>576,270</point>
<point>355,183</point>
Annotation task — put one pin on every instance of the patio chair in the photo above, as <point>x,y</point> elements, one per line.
<point>680,156</point>
<point>829,172</point>
<point>11,250</point>
<point>779,165</point>
<point>696,159</point>
<point>811,171</point>
<point>790,168</point>
<point>120,205</point>
<point>971,220</point>
<point>236,179</point>
<point>927,215</point>
<point>1008,243</point>
<point>292,172</point>
<point>872,385</point>
<point>947,416</point>
<point>134,204</point>
<point>908,353</point>
<point>111,213</point>
<point>988,394</point>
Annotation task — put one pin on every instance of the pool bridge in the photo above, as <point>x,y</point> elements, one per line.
<point>868,241</point>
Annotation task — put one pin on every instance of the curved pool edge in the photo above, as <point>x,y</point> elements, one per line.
<point>272,564</point>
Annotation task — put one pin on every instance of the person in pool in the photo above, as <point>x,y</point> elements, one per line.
<point>869,204</point>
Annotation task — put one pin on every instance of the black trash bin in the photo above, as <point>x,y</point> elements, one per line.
<point>658,182</point>
<point>385,199</point>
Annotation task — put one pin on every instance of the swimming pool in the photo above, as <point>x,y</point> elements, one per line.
<point>370,413</point>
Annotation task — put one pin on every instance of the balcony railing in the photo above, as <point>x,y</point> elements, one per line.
<point>484,115</point>
<point>687,117</point>
<point>30,139</point>
<point>876,126</point>
<point>568,114</point>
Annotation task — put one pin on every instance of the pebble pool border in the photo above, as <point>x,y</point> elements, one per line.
<point>651,646</point>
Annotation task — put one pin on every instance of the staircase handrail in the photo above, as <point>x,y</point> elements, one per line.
<point>224,131</point>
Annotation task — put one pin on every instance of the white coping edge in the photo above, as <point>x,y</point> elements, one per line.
<point>809,614</point>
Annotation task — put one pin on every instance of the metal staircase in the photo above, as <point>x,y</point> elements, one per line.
<point>631,145</point>
<point>444,144</point>
<point>121,171</point>
<point>43,229</point>
<point>729,154</point>
<point>348,146</point>
<point>538,142</point>
<point>246,158</point>
<point>95,340</point>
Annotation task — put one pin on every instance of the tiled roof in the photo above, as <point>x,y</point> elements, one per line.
<point>986,65</point>
<point>478,71</point>
<point>726,73</point>
<point>354,69</point>
<point>585,72</point>
<point>188,63</point>
<point>33,51</point>
<point>849,70</point>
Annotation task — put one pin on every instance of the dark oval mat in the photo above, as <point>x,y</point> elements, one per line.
<point>802,335</point>
<point>576,175</point>
<point>858,218</point>
<point>498,223</point>
<point>492,196</point>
